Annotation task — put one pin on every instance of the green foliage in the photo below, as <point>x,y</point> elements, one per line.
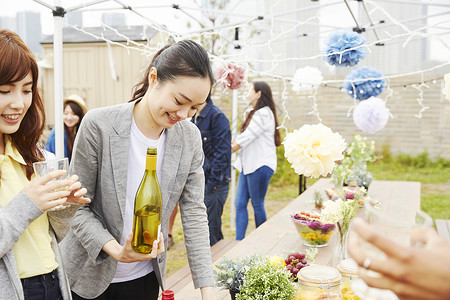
<point>229,273</point>
<point>285,173</point>
<point>264,281</point>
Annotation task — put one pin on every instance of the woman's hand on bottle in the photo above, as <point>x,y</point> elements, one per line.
<point>77,193</point>
<point>126,254</point>
<point>47,192</point>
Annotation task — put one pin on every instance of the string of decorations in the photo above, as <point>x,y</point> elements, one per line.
<point>343,48</point>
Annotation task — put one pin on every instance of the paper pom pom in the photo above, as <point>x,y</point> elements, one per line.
<point>231,76</point>
<point>313,150</point>
<point>306,79</point>
<point>358,86</point>
<point>338,42</point>
<point>371,115</point>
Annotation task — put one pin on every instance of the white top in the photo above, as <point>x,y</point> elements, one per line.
<point>257,143</point>
<point>136,168</point>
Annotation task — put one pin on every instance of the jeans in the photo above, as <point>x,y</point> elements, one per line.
<point>42,287</point>
<point>253,186</point>
<point>215,197</point>
<point>146,287</point>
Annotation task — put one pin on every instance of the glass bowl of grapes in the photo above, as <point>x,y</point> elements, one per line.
<point>313,232</point>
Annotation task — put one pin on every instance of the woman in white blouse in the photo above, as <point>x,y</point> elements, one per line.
<point>257,160</point>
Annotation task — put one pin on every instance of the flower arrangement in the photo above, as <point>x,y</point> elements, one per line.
<point>306,79</point>
<point>265,281</point>
<point>313,149</point>
<point>371,115</point>
<point>231,76</point>
<point>364,83</point>
<point>339,212</point>
<point>229,273</point>
<point>345,48</point>
<point>311,229</point>
<point>353,168</point>
<point>348,193</point>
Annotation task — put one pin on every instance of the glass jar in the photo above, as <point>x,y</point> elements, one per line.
<point>349,270</point>
<point>318,282</point>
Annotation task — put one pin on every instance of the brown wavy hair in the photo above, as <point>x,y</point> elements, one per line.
<point>266,99</point>
<point>17,62</point>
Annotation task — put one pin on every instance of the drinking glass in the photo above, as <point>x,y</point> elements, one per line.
<point>397,222</point>
<point>43,167</point>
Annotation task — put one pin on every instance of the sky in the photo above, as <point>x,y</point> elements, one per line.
<point>163,14</point>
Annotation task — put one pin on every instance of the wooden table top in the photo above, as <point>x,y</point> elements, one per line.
<point>278,235</point>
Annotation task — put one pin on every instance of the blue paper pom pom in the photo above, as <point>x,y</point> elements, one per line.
<point>359,87</point>
<point>340,41</point>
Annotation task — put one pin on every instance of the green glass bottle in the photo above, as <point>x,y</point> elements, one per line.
<point>147,208</point>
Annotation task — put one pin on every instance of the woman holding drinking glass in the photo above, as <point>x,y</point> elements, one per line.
<point>30,261</point>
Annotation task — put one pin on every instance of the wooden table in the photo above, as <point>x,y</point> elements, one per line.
<point>278,236</point>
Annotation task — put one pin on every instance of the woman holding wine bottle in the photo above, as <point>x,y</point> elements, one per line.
<point>110,157</point>
<point>30,261</point>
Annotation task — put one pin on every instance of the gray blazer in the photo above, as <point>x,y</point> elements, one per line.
<point>100,159</point>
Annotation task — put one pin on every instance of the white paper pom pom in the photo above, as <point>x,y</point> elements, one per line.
<point>306,79</point>
<point>371,115</point>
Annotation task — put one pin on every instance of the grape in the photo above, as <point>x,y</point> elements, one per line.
<point>303,261</point>
<point>301,256</point>
<point>287,261</point>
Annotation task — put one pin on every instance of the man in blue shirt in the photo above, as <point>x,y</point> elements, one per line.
<point>216,136</point>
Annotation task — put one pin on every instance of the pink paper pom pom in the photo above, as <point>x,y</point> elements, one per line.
<point>231,76</point>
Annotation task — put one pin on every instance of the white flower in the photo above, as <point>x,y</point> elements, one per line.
<point>306,79</point>
<point>332,212</point>
<point>313,150</point>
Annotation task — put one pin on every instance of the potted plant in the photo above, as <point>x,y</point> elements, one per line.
<point>264,280</point>
<point>229,274</point>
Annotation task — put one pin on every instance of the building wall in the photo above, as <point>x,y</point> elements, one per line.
<point>87,72</point>
<point>404,133</point>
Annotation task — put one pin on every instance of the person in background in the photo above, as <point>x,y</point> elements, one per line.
<point>411,273</point>
<point>30,262</point>
<point>109,156</point>
<point>257,159</point>
<point>74,110</point>
<point>216,136</point>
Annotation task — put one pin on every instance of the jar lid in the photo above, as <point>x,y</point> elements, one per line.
<point>319,276</point>
<point>348,267</point>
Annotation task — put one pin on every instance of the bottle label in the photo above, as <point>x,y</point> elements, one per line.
<point>150,163</point>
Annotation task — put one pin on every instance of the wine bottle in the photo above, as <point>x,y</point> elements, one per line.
<point>147,208</point>
<point>168,295</point>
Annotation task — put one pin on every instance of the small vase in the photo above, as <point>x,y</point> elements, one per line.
<point>233,294</point>
<point>340,249</point>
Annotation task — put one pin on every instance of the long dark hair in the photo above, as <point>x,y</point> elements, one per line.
<point>185,58</point>
<point>266,99</point>
<point>71,134</point>
<point>17,62</point>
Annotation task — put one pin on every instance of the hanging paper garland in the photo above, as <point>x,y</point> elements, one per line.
<point>371,115</point>
<point>339,41</point>
<point>446,90</point>
<point>231,76</point>
<point>358,85</point>
<point>306,79</point>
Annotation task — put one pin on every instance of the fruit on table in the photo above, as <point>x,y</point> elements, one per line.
<point>295,262</point>
<point>311,229</point>
<point>277,261</point>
